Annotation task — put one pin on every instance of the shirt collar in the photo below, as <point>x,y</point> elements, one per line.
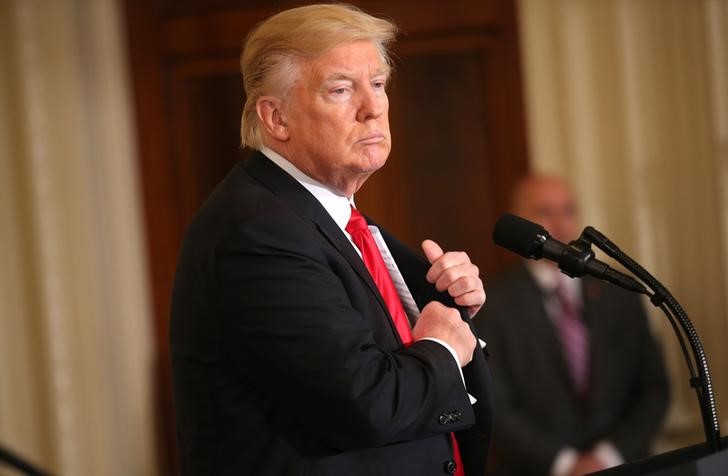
<point>337,205</point>
<point>548,277</point>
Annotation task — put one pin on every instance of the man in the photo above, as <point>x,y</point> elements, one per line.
<point>292,347</point>
<point>580,381</point>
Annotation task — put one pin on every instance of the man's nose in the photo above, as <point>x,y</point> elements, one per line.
<point>372,104</point>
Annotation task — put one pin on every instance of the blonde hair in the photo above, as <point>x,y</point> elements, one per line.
<point>269,58</point>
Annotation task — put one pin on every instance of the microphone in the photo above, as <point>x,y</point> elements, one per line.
<point>531,240</point>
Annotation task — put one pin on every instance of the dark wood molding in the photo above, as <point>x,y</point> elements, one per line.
<point>456,114</point>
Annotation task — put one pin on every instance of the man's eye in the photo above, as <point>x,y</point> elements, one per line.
<point>379,84</point>
<point>338,91</point>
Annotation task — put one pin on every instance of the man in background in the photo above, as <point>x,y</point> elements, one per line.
<point>580,381</point>
<point>304,340</point>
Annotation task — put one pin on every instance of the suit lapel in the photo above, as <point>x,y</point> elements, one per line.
<point>305,205</point>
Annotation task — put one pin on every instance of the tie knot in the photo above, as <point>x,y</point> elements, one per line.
<point>357,222</point>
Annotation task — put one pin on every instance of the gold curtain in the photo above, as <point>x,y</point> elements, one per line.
<point>75,383</point>
<point>628,99</point>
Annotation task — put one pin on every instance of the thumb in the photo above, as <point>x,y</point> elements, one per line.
<point>432,250</point>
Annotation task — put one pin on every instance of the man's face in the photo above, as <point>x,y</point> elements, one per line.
<point>550,203</point>
<point>337,116</point>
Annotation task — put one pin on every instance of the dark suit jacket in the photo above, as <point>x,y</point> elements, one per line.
<point>285,360</point>
<point>538,411</point>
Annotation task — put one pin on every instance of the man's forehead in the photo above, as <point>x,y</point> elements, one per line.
<point>542,194</point>
<point>337,63</point>
<point>544,189</point>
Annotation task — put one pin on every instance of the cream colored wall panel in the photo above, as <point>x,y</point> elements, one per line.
<point>75,377</point>
<point>627,99</point>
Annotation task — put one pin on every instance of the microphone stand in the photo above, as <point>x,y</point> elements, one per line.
<point>16,462</point>
<point>662,298</point>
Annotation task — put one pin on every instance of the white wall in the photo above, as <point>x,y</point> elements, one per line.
<point>75,355</point>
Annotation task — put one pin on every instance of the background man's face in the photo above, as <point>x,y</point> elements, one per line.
<point>550,203</point>
<point>337,115</point>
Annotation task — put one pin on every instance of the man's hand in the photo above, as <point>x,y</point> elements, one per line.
<point>587,463</point>
<point>441,322</point>
<point>455,273</point>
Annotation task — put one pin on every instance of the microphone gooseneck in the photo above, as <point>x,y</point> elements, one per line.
<point>662,298</point>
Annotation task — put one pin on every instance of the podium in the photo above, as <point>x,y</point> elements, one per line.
<point>693,460</point>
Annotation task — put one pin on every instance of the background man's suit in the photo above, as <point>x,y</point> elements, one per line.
<point>538,410</point>
<point>298,368</point>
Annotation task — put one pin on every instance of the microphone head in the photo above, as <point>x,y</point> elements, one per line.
<point>521,236</point>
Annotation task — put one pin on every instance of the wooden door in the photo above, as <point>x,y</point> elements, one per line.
<point>455,111</point>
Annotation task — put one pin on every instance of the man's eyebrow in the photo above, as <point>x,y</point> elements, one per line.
<point>346,77</point>
<point>338,77</point>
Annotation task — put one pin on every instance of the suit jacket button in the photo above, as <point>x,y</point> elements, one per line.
<point>450,467</point>
<point>444,419</point>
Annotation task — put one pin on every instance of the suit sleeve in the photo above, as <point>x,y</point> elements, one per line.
<point>633,432</point>
<point>290,327</point>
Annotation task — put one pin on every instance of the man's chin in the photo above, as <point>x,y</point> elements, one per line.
<point>370,163</point>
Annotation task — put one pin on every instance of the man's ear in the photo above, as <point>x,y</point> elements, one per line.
<point>272,118</point>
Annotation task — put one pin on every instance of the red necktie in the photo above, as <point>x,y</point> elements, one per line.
<point>363,239</point>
